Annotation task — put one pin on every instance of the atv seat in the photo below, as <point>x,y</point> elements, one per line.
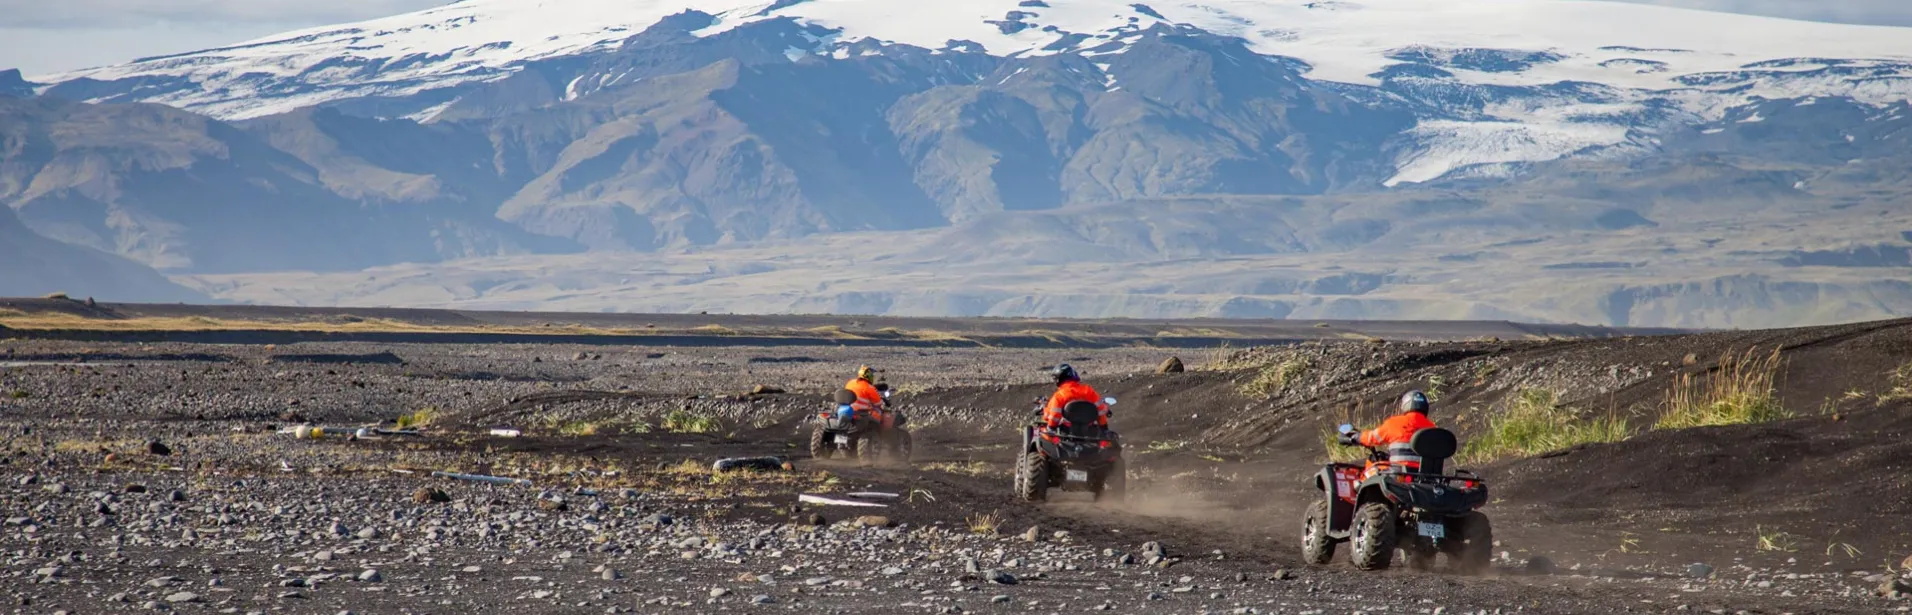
<point>1081,418</point>
<point>1434,446</point>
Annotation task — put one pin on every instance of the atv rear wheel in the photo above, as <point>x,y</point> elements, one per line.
<point>1473,553</point>
<point>1032,478</point>
<point>1374,539</point>
<point>820,445</point>
<point>1316,547</point>
<point>1115,483</point>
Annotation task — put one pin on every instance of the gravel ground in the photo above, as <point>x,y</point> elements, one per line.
<point>154,477</point>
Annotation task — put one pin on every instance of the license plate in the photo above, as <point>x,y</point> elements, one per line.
<point>1078,476</point>
<point>1433,530</point>
<point>843,439</point>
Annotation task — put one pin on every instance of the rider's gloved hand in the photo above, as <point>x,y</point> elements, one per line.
<point>1349,439</point>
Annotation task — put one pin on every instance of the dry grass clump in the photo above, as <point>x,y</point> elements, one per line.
<point>969,468</point>
<point>1275,378</point>
<point>1534,423</point>
<point>1739,392</point>
<point>422,418</point>
<point>1898,383</point>
<point>685,421</point>
<point>1774,540</point>
<point>985,524</point>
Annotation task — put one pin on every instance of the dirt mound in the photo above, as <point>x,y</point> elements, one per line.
<point>83,308</point>
<point>1806,465</point>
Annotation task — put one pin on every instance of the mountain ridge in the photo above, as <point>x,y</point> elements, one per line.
<point>1346,163</point>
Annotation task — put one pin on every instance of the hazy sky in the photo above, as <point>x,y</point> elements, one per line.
<point>43,36</point>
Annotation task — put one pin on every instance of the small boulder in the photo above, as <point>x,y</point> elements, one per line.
<point>1699,571</point>
<point>428,495</point>
<point>764,389</point>
<point>1539,565</point>
<point>1171,366</point>
<point>371,576</point>
<point>1033,534</point>
<point>874,521</point>
<point>158,448</point>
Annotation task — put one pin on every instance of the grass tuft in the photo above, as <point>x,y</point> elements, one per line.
<point>1533,423</point>
<point>1774,540</point>
<point>1851,552</point>
<point>1336,453</point>
<point>685,421</point>
<point>1740,392</point>
<point>1274,378</point>
<point>1899,383</point>
<point>1164,446</point>
<point>985,525</point>
<point>578,428</point>
<point>423,417</point>
<point>970,468</point>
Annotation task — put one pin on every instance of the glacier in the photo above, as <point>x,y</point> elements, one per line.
<point>1500,82</point>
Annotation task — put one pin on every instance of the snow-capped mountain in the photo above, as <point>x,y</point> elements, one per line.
<point>1495,82</point>
<point>1612,162</point>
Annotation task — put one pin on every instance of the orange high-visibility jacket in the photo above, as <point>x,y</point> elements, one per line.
<point>1398,429</point>
<point>867,397</point>
<point>1073,391</point>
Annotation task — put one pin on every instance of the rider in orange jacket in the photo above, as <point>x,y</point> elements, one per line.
<point>868,398</point>
<point>1069,388</point>
<point>1396,434</point>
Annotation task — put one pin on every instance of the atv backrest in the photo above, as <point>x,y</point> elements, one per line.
<point>1082,417</point>
<point>844,397</point>
<point>1435,446</point>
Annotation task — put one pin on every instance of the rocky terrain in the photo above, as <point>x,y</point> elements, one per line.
<point>157,476</point>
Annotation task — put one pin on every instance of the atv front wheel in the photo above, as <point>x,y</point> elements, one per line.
<point>869,449</point>
<point>905,445</point>
<point>1032,478</point>
<point>1115,482</point>
<point>820,445</point>
<point>1374,540</point>
<point>1316,547</point>
<point>1473,553</point>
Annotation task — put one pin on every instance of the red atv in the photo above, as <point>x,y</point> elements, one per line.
<point>861,435</point>
<point>1422,513</point>
<point>1081,455</point>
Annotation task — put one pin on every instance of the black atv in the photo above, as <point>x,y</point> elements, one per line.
<point>849,434</point>
<point>1423,513</point>
<point>1080,456</point>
